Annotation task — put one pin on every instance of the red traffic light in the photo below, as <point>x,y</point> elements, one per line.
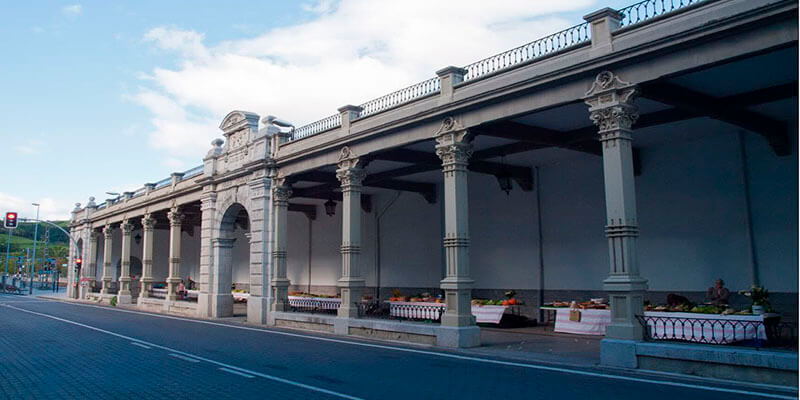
<point>11,220</point>
<point>78,262</point>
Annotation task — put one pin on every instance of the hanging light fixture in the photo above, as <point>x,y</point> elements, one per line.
<point>138,238</point>
<point>330,207</point>
<point>504,178</point>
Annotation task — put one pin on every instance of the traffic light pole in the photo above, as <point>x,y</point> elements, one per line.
<point>35,238</point>
<point>8,253</point>
<point>75,242</point>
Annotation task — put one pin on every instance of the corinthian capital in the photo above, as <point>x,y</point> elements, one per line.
<point>453,143</point>
<point>350,171</point>
<point>108,231</point>
<point>148,222</point>
<point>610,102</point>
<point>126,227</point>
<point>175,216</point>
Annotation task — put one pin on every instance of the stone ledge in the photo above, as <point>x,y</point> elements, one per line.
<point>720,355</point>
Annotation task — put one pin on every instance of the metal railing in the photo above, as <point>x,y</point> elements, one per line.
<point>387,310</point>
<point>649,9</point>
<point>550,44</point>
<point>315,305</point>
<point>401,96</point>
<point>334,121</point>
<point>192,172</point>
<point>758,333</point>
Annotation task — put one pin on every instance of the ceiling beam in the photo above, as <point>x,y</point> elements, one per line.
<point>776,132</point>
<point>310,210</point>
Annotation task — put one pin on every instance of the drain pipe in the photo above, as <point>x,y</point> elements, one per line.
<point>537,188</point>
<point>748,216</point>
<point>309,255</point>
<point>378,216</point>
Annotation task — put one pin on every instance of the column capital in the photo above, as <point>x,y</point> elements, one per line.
<point>108,231</point>
<point>453,143</point>
<point>611,107</point>
<point>281,191</point>
<point>94,235</point>
<point>148,222</point>
<point>127,227</point>
<point>175,216</point>
<point>350,172</point>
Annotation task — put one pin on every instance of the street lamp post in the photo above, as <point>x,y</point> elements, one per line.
<point>35,238</point>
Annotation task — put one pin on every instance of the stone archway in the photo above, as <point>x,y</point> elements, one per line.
<point>231,250</point>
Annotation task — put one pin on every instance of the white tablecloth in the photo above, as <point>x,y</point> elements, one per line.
<point>693,327</point>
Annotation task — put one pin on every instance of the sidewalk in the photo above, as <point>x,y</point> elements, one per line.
<point>541,344</point>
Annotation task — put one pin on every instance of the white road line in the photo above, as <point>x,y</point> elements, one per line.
<point>217,363</point>
<point>466,358</point>
<point>141,345</point>
<point>189,359</point>
<point>236,372</point>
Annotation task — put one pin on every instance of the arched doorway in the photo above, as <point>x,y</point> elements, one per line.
<point>232,253</point>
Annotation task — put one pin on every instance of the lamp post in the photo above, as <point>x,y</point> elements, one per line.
<point>35,238</point>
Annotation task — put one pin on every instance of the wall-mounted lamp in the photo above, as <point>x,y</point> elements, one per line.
<point>330,207</point>
<point>137,238</point>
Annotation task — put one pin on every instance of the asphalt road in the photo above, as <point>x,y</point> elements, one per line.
<point>51,349</point>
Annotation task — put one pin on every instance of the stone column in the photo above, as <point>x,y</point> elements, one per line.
<point>175,221</point>
<point>207,208</point>
<point>611,108</point>
<point>221,299</point>
<point>124,295</point>
<point>454,147</point>
<point>351,174</point>
<point>259,192</point>
<point>281,192</point>
<point>148,224</point>
<point>107,249</point>
<point>90,268</point>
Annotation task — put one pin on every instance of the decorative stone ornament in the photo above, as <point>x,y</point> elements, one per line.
<point>175,217</point>
<point>611,108</point>
<point>350,172</point>
<point>453,143</point>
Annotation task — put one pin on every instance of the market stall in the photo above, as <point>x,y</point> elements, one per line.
<point>315,302</point>
<point>490,314</point>
<point>687,326</point>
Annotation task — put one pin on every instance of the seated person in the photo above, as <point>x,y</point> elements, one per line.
<point>718,294</point>
<point>181,290</point>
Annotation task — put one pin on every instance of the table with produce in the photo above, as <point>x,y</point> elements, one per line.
<point>684,321</point>
<point>424,306</point>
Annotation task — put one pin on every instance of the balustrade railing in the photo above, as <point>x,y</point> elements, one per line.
<point>314,305</point>
<point>649,9</point>
<point>558,41</point>
<point>401,96</point>
<point>402,311</point>
<point>192,172</point>
<point>334,121</point>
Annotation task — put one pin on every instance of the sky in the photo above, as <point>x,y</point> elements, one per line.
<point>102,96</point>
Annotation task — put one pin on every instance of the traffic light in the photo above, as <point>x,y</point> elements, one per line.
<point>11,220</point>
<point>78,262</point>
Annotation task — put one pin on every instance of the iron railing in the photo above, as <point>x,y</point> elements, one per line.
<point>756,333</point>
<point>401,96</point>
<point>550,44</point>
<point>192,172</point>
<point>334,121</point>
<point>649,9</point>
<point>387,310</point>
<point>314,305</point>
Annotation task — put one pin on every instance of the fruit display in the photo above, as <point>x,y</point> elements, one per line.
<point>483,302</point>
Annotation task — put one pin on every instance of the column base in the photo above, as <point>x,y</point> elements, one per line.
<point>618,353</point>
<point>204,305</point>
<point>124,297</point>
<point>350,296</point>
<point>458,337</point>
<point>221,305</point>
<point>257,309</point>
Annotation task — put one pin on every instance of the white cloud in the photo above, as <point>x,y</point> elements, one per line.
<point>31,147</point>
<point>49,208</point>
<point>73,9</point>
<point>350,52</point>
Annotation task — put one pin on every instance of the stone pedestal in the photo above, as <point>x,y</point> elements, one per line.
<point>351,174</point>
<point>611,108</point>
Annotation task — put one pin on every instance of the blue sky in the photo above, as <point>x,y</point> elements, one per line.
<point>105,96</point>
